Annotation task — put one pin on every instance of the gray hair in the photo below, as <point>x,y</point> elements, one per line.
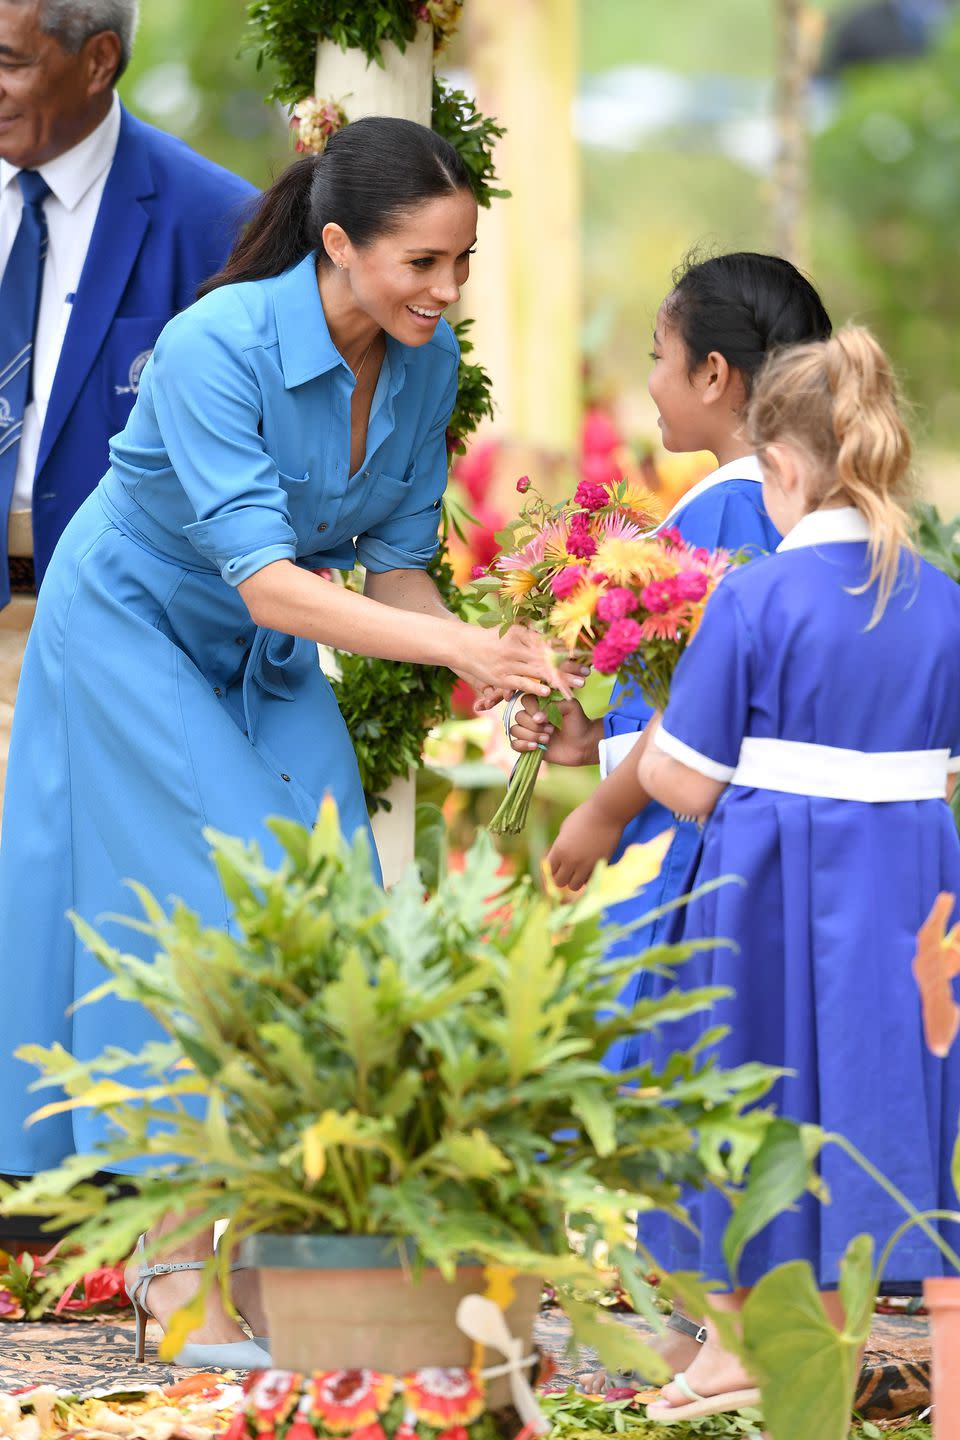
<point>72,22</point>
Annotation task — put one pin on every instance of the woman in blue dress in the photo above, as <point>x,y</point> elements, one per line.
<point>816,720</point>
<point>293,419</point>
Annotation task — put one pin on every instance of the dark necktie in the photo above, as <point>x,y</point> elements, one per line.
<point>19,304</point>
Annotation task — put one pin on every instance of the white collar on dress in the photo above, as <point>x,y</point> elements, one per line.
<point>838,526</point>
<point>71,174</point>
<point>746,468</point>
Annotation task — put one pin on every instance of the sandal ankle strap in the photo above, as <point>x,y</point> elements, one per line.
<point>680,1322</point>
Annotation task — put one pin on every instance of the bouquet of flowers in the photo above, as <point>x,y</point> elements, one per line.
<point>554,554</point>
<point>636,606</point>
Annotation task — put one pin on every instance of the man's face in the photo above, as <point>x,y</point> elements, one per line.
<point>49,99</point>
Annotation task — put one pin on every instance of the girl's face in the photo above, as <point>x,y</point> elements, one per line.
<point>405,279</point>
<point>676,392</point>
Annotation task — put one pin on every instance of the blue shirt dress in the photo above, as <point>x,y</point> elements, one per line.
<point>724,511</point>
<point>833,891</point>
<point>150,705</point>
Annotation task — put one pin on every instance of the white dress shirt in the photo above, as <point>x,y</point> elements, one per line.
<point>76,179</point>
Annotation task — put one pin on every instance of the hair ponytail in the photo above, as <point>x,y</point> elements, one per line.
<point>838,401</point>
<point>371,172</point>
<point>278,234</point>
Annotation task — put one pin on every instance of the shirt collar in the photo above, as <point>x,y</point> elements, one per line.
<point>306,348</point>
<point>843,525</point>
<point>747,467</point>
<point>71,174</point>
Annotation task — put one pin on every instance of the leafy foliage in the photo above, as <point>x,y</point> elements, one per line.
<point>389,706</point>
<point>472,134</point>
<point>938,539</point>
<point>351,1061</point>
<point>888,198</point>
<point>474,402</point>
<point>285,32</point>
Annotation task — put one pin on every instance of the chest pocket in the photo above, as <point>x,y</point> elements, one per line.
<point>378,497</point>
<point>301,505</point>
<point>128,347</point>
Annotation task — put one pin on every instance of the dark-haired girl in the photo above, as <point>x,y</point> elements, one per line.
<point>293,419</point>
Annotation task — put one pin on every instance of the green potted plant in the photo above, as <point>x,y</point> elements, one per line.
<point>373,1088</point>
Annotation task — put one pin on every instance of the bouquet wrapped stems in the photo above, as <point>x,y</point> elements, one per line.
<point>512,812</point>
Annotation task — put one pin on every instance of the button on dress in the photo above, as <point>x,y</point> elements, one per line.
<point>150,705</point>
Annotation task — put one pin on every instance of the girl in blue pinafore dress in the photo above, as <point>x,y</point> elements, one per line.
<point>816,720</point>
<point>713,332</point>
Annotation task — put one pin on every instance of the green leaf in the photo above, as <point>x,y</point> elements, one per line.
<point>806,1368</point>
<point>779,1175</point>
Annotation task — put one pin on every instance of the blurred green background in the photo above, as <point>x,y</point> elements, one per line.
<point>674,115</point>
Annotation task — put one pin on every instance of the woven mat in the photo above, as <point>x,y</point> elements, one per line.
<point>82,1355</point>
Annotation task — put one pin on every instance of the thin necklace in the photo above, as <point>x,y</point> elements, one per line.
<point>363,360</point>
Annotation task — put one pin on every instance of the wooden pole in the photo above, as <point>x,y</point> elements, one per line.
<point>799,32</point>
<point>525,283</point>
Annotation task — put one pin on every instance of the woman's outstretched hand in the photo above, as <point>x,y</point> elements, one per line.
<point>517,660</point>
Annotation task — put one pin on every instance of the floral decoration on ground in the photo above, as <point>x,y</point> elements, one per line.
<point>21,1297</point>
<point>426,1404</point>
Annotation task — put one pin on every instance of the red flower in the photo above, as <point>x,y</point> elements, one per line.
<point>617,604</point>
<point>405,1432</point>
<point>581,544</point>
<point>621,640</point>
<point>272,1395</point>
<point>599,434</point>
<point>237,1429</point>
<point>566,581</point>
<point>301,1429</point>
<point>691,585</point>
<point>591,496</point>
<point>349,1401</point>
<point>671,537</point>
<point>659,596</point>
<point>523,484</point>
<point>444,1397</point>
<point>456,1432</point>
<point>477,572</point>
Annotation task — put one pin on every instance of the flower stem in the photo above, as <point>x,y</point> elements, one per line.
<point>511,817</point>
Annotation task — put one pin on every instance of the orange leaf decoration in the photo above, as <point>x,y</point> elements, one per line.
<point>935,964</point>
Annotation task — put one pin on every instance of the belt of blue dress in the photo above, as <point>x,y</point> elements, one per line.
<point>273,656</point>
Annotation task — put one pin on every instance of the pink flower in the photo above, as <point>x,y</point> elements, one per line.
<point>671,536</point>
<point>599,434</point>
<point>523,484</point>
<point>659,595</point>
<point>566,581</point>
<point>477,572</point>
<point>616,604</point>
<point>621,640</point>
<point>591,496</point>
<point>581,543</point>
<point>690,585</point>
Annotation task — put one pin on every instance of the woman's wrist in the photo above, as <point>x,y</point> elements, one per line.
<point>590,749</point>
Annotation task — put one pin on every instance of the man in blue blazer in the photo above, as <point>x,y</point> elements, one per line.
<point>107,227</point>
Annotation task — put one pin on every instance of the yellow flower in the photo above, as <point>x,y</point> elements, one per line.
<point>517,583</point>
<point>634,496</point>
<point>639,561</point>
<point>570,617</point>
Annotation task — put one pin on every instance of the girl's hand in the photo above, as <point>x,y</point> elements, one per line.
<point>588,835</point>
<point>517,660</point>
<point>574,742</point>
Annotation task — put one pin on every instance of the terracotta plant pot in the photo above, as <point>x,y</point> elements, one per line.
<point>346,1302</point>
<point>942,1298</point>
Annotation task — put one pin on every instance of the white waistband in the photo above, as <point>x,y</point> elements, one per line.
<point>835,774</point>
<point>614,749</point>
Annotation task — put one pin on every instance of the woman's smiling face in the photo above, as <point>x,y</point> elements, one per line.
<point>407,277</point>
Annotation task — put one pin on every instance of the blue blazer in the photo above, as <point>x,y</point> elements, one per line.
<point>167,220</point>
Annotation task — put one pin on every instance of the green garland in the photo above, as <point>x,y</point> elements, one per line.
<point>389,707</point>
<point>285,32</point>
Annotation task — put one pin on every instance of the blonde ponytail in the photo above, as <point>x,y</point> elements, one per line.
<point>837,400</point>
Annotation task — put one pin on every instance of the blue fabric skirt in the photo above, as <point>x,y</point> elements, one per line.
<point>824,931</point>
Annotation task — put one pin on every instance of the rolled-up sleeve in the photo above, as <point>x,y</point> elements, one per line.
<point>209,411</point>
<point>408,538</point>
<point>707,717</point>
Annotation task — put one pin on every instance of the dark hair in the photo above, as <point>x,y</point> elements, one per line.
<point>371,173</point>
<point>744,306</point>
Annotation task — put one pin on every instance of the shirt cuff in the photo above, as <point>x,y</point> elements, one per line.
<point>378,555</point>
<point>693,760</point>
<point>953,765</point>
<point>615,749</point>
<point>240,542</point>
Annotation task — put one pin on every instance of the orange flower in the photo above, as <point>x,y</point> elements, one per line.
<point>349,1400</point>
<point>445,1398</point>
